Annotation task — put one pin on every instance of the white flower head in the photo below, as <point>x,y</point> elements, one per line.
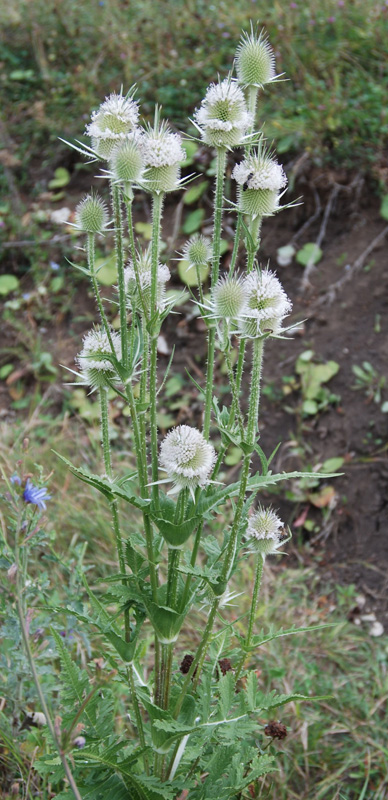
<point>260,179</point>
<point>113,121</point>
<point>187,458</point>
<point>266,306</point>
<point>95,367</point>
<point>223,118</point>
<point>163,154</point>
<point>142,283</point>
<point>255,60</point>
<point>91,214</point>
<point>265,531</point>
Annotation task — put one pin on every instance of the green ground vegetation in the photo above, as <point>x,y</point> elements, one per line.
<point>336,748</point>
<point>60,57</point>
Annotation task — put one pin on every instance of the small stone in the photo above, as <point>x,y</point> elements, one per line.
<point>377,629</point>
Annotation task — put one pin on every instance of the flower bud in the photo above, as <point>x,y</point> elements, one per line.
<point>255,60</point>
<point>91,214</point>
<point>229,297</point>
<point>197,251</point>
<point>260,179</point>
<point>187,458</point>
<point>96,368</point>
<point>144,280</point>
<point>112,123</point>
<point>223,118</point>
<point>266,306</point>
<point>127,162</point>
<point>162,154</point>
<point>264,531</point>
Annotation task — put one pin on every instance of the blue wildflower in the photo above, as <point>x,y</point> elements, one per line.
<point>32,494</point>
<point>15,479</point>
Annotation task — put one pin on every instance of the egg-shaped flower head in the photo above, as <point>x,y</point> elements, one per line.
<point>255,60</point>
<point>91,214</point>
<point>229,297</point>
<point>95,358</point>
<point>197,251</point>
<point>223,119</point>
<point>266,305</point>
<point>127,162</point>
<point>260,179</point>
<point>187,458</point>
<point>112,123</point>
<point>264,533</point>
<point>162,154</point>
<point>138,288</point>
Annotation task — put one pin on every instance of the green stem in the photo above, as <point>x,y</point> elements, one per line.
<point>143,488</point>
<point>90,242</point>
<point>139,720</point>
<point>219,193</point>
<point>113,503</point>
<point>132,244</point>
<point>157,205</point>
<point>254,400</point>
<point>119,253</point>
<point>236,244</point>
<point>252,614</point>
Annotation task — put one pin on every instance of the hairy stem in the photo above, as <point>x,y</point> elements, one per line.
<point>252,613</point>
<point>219,192</point>
<point>119,253</point>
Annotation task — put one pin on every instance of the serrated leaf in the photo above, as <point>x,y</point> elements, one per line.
<point>251,690</point>
<point>259,640</point>
<point>108,488</point>
<point>226,687</point>
<point>176,535</point>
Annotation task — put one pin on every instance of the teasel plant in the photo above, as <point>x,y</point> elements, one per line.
<point>194,723</point>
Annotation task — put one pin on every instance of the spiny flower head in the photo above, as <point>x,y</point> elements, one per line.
<point>197,251</point>
<point>264,531</point>
<point>255,60</point>
<point>266,306</point>
<point>91,214</point>
<point>127,161</point>
<point>113,121</point>
<point>223,118</point>
<point>96,368</point>
<point>162,154</point>
<point>229,297</point>
<point>187,458</point>
<point>260,178</point>
<point>144,280</point>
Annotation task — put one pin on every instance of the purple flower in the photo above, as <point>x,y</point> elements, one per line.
<point>331,19</point>
<point>15,479</point>
<point>54,266</point>
<point>32,494</point>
